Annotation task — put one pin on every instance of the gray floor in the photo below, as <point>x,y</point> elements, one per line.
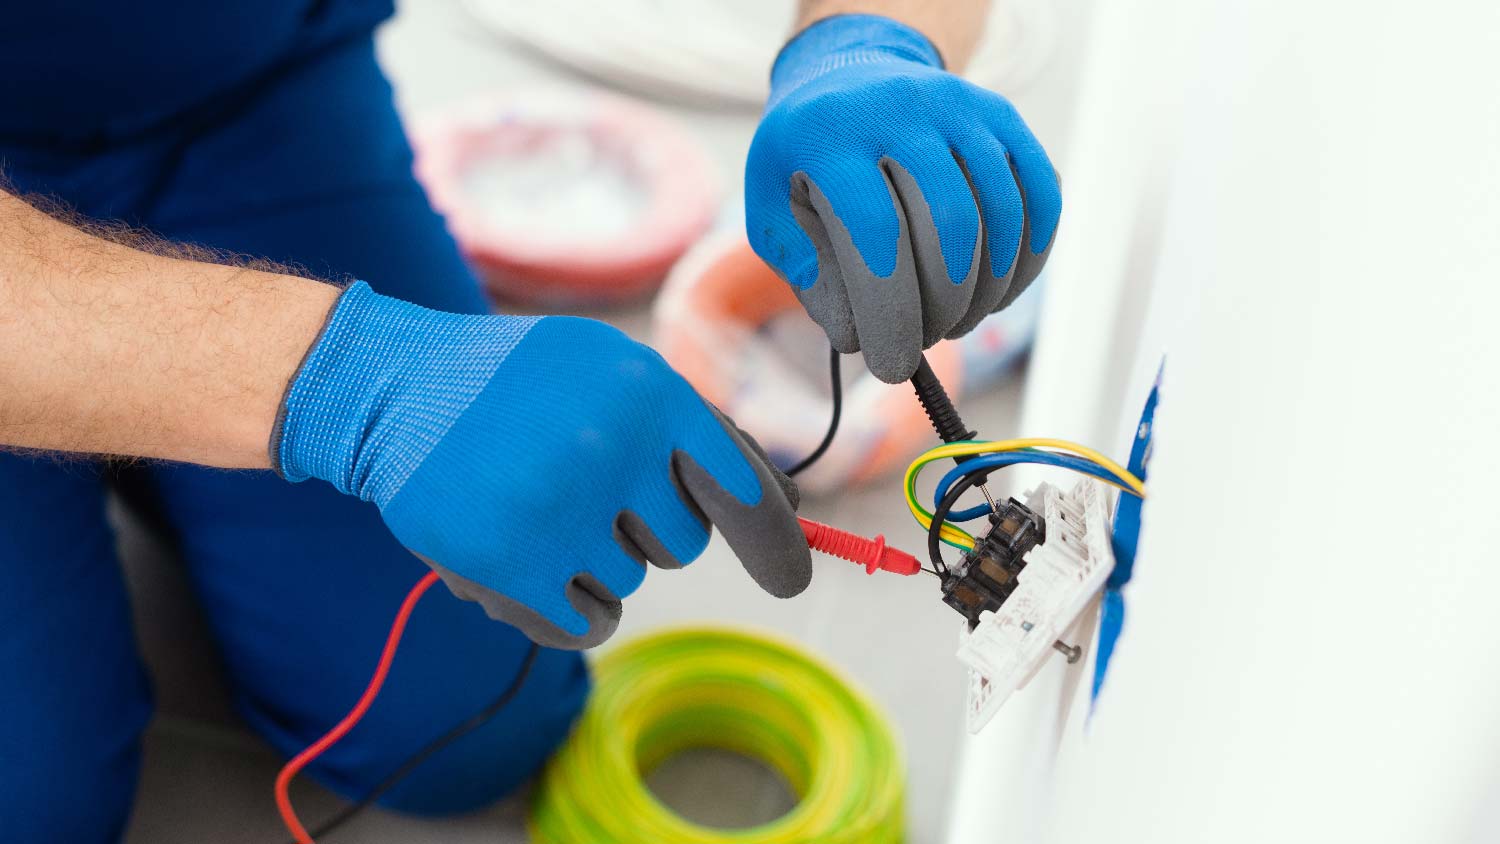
<point>206,779</point>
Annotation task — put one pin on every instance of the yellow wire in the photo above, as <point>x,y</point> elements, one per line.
<point>957,536</point>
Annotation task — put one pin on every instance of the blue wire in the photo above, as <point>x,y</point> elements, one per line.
<point>1010,458</point>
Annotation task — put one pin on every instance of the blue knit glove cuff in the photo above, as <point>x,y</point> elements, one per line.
<point>380,388</point>
<point>844,40</point>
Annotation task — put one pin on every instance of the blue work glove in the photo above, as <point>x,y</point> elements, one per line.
<point>536,463</point>
<point>902,203</point>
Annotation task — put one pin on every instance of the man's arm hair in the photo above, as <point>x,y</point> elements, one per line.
<point>115,342</point>
<point>953,26</point>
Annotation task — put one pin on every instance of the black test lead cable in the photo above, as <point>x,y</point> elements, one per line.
<point>412,762</point>
<point>944,417</point>
<point>836,391</point>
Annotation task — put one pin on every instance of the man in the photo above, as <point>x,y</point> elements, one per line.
<point>535,463</point>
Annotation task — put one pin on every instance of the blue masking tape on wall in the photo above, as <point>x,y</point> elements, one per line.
<point>1123,541</point>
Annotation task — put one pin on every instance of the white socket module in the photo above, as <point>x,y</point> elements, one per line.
<point>1061,578</point>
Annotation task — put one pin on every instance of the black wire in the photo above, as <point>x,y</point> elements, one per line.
<point>836,385</point>
<point>474,721</point>
<point>940,515</point>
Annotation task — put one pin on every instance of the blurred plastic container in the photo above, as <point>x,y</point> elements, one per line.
<point>566,198</point>
<point>734,329</point>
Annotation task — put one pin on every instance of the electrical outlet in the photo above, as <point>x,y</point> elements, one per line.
<point>1061,576</point>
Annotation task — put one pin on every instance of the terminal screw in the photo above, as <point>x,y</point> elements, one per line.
<point>1072,652</point>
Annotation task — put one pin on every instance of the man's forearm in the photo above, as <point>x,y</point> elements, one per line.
<point>953,26</point>
<point>107,349</point>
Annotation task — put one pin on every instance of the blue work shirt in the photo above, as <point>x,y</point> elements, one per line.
<point>91,72</point>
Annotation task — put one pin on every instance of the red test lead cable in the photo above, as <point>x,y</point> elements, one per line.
<point>871,553</point>
<point>314,750</point>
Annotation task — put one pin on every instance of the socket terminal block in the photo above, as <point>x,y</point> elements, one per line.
<point>987,575</point>
<point>1056,581</point>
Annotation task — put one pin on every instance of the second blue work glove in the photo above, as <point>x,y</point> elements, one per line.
<point>902,203</point>
<point>536,463</point>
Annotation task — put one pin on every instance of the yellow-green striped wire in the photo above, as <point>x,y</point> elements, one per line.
<point>959,538</point>
<point>732,690</point>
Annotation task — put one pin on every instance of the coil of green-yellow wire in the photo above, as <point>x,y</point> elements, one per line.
<point>690,688</point>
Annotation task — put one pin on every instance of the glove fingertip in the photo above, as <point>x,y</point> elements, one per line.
<point>589,615</point>
<point>765,535</point>
<point>892,365</point>
<point>828,305</point>
<point>1041,191</point>
<point>789,579</point>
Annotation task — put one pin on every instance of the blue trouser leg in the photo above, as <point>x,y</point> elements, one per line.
<point>73,693</point>
<point>299,584</point>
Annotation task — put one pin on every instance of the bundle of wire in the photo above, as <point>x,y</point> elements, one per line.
<point>731,690</point>
<point>979,459</point>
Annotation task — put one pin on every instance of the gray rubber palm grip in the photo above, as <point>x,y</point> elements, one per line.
<point>589,597</point>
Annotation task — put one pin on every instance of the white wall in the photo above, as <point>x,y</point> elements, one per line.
<point>1309,651</point>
